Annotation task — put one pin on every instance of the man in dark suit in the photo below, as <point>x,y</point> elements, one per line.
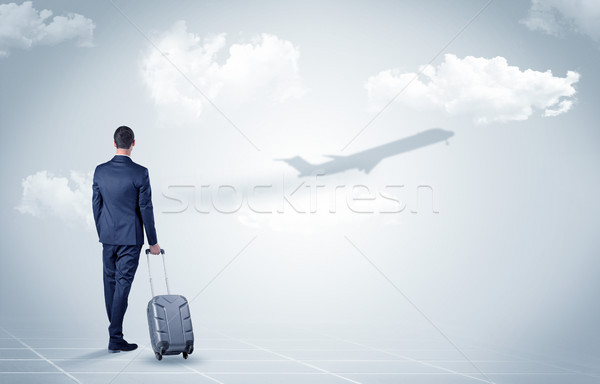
<point>122,204</point>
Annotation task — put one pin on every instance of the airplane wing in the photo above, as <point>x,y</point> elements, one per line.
<point>368,167</point>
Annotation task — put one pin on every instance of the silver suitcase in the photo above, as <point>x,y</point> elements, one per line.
<point>169,320</point>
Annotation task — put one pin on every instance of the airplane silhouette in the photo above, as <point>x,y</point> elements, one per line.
<point>367,160</point>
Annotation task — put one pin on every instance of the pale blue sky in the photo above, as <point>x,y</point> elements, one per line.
<point>511,256</point>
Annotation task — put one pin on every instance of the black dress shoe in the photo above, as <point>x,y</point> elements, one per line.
<point>121,346</point>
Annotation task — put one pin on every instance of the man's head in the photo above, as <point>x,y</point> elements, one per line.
<point>124,138</point>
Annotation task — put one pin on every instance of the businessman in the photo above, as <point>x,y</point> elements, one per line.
<point>122,204</point>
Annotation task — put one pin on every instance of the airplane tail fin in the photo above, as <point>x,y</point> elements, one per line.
<point>303,166</point>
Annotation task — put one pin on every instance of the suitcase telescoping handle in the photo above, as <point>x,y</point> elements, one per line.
<point>162,253</point>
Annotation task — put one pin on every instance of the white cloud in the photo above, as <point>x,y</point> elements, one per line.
<point>265,69</point>
<point>22,26</point>
<point>68,199</point>
<point>485,89</point>
<point>556,16</point>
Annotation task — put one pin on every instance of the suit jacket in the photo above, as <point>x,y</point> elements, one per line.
<point>122,203</point>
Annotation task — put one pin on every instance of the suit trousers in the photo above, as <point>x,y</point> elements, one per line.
<point>120,263</point>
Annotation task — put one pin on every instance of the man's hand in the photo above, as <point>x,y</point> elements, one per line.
<point>155,249</point>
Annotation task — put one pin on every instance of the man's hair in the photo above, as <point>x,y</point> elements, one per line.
<point>124,137</point>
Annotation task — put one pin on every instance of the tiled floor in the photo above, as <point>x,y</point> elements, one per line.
<point>299,357</point>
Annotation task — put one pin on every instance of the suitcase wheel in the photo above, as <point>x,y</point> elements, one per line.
<point>158,356</point>
<point>185,355</point>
